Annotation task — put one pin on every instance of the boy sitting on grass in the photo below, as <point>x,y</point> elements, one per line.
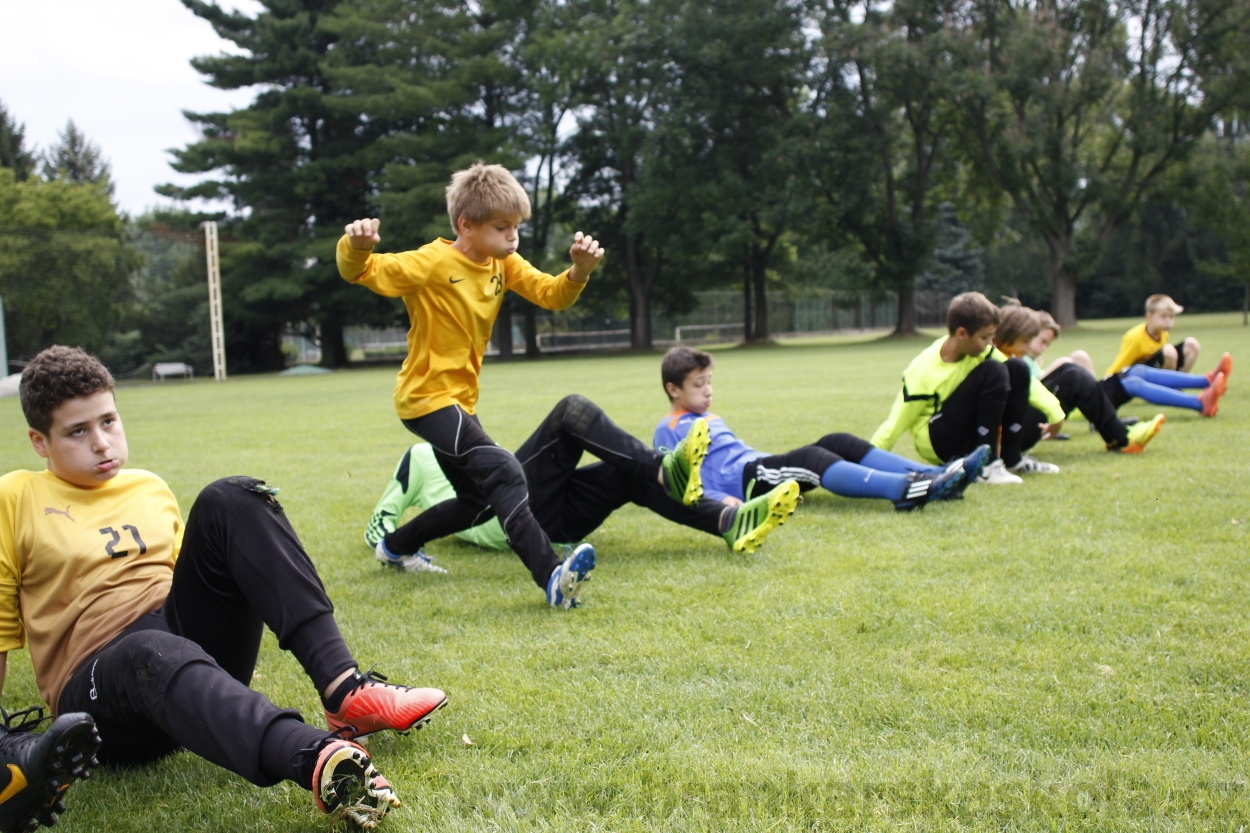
<point>1150,368</point>
<point>1147,343</point>
<point>570,501</point>
<point>453,291</point>
<point>734,472</point>
<point>148,630</point>
<point>960,392</point>
<point>1025,334</point>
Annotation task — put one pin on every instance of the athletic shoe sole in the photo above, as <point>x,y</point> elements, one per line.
<point>781,503</point>
<point>573,573</point>
<point>693,450</point>
<point>66,753</point>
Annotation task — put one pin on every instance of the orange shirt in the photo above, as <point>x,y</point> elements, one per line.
<point>452,305</point>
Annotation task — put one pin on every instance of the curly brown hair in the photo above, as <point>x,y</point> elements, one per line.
<point>55,376</point>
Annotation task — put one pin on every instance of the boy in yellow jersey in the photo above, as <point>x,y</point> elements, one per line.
<point>148,629</point>
<point>1147,342</point>
<point>453,290</point>
<point>953,399</point>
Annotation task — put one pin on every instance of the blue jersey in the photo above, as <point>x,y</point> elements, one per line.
<point>726,457</point>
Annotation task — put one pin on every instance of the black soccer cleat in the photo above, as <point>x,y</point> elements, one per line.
<point>37,768</point>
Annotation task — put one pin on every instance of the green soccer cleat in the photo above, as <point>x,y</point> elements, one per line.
<point>1142,433</point>
<point>759,516</point>
<point>681,465</point>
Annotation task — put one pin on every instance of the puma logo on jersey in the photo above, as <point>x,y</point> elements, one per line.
<point>50,511</point>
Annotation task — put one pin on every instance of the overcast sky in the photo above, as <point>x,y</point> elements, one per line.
<point>120,69</point>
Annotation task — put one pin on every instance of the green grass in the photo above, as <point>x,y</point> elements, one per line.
<point>1066,655</point>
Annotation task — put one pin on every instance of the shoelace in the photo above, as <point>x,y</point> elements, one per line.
<point>21,721</point>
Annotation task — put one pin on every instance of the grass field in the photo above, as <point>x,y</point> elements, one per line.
<point>1070,654</point>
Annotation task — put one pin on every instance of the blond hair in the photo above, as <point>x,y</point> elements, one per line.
<point>1160,303</point>
<point>485,192</point>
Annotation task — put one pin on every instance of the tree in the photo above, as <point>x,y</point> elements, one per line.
<point>13,153</point>
<point>76,159</point>
<point>882,122</point>
<point>740,67</point>
<point>1074,109</point>
<point>619,100</point>
<point>65,264</point>
<point>297,165</point>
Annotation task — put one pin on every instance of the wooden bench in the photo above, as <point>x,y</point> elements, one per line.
<point>163,369</point>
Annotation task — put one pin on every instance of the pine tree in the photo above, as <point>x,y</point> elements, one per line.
<point>13,153</point>
<point>76,159</point>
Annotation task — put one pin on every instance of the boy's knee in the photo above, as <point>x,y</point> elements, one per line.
<point>154,658</point>
<point>229,488</point>
<point>576,412</point>
<point>1169,357</point>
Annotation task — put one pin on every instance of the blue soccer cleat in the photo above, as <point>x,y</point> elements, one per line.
<point>565,584</point>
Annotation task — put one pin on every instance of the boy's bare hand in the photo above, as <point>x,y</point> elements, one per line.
<point>363,234</point>
<point>586,255</point>
<point>1050,430</point>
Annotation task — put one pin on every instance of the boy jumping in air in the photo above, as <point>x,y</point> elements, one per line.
<point>452,290</point>
<point>734,472</point>
<point>148,630</point>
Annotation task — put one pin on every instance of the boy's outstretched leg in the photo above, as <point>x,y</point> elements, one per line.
<point>37,768</point>
<point>242,567</point>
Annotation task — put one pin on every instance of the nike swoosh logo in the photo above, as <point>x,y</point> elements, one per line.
<point>454,280</point>
<point>15,786</point>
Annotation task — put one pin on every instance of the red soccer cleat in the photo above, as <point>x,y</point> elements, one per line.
<point>1225,366</point>
<point>346,784</point>
<point>376,705</point>
<point>1210,395</point>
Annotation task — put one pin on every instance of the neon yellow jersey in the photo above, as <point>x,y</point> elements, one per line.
<point>1137,346</point>
<point>79,565</point>
<point>928,382</point>
<point>452,304</point>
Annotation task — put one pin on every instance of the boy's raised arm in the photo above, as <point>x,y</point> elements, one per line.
<point>363,234</point>
<point>586,254</point>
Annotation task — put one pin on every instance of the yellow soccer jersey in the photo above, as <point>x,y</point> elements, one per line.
<point>79,565</point>
<point>1137,346</point>
<point>452,304</point>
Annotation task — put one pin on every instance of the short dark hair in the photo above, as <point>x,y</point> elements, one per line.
<point>1017,323</point>
<point>972,311</point>
<point>55,376</point>
<point>677,364</point>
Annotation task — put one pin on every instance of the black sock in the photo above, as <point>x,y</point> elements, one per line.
<point>349,685</point>
<point>727,516</point>
<point>319,647</point>
<point>289,749</point>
